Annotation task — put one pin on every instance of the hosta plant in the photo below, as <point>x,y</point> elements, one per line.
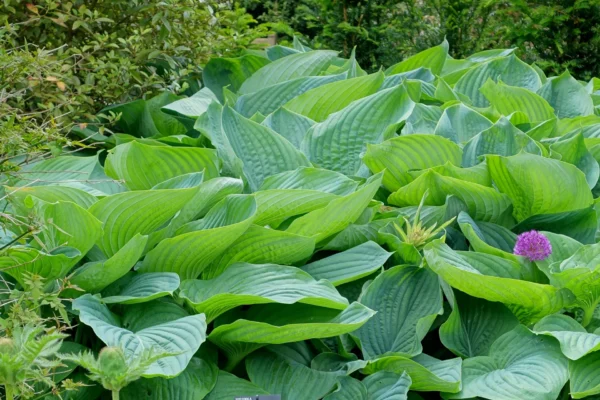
<point>300,227</point>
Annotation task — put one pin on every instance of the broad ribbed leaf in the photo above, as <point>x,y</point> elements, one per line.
<point>142,167</point>
<point>348,388</point>
<point>290,125</point>
<point>219,73</point>
<point>399,155</point>
<point>17,196</point>
<point>433,58</point>
<point>141,288</point>
<point>575,341</point>
<point>385,385</point>
<point>276,205</point>
<point>460,123</point>
<point>574,151</point>
<point>509,99</point>
<point>246,284</point>
<point>312,179</point>
<point>584,377</point>
<point>423,119</point>
<point>520,365</point>
<point>182,336</point>
<point>349,265</point>
<point>567,96</point>
<point>407,300</point>
<point>337,142</point>
<point>477,174</point>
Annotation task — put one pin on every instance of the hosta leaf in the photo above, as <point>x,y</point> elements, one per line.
<point>510,70</point>
<point>245,284</point>
<point>349,265</point>
<point>580,224</point>
<point>194,383</point>
<point>348,388</point>
<point>433,58</point>
<point>575,341</point>
<point>356,234</point>
<point>426,373</point>
<point>423,119</point>
<point>574,151</point>
<point>385,385</point>
<point>288,124</point>
<point>182,336</point>
<point>17,196</point>
<point>337,142</point>
<point>192,179</point>
<point>190,108</point>
<point>520,364</point>
<point>399,155</point>
<point>140,212</point>
<point>276,205</point>
<point>483,203</point>
<point>141,316</point>
<point>260,245</point>
<point>509,99</point>
<point>141,166</point>
<point>538,185</point>
<point>287,68</point>
<point>96,275</point>
<point>495,279</point>
<point>263,151</point>
<point>474,324</point>
<point>272,97</point>
<point>222,72</point>
<point>276,52</point>
<point>141,288</point>
<point>317,104</point>
<point>407,300</point>
<point>190,252</point>
<point>230,386</point>
<point>460,123</point>
<point>312,179</point>
<point>583,374</point>
<point>277,324</point>
<point>567,96</point>
<point>326,221</point>
<point>477,174</point>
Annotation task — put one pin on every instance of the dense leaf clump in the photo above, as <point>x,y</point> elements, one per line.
<point>303,228</point>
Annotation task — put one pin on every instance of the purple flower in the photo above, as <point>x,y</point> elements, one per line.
<point>533,245</point>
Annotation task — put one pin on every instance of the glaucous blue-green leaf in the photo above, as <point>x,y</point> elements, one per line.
<point>509,99</point>
<point>575,341</point>
<point>270,98</point>
<point>140,288</point>
<point>185,181</point>
<point>407,299</point>
<point>337,142</point>
<point>263,151</point>
<point>520,365</point>
<point>385,385</point>
<point>502,138</point>
<point>427,374</point>
<point>460,123</point>
<point>190,108</point>
<point>230,72</point>
<point>349,265</point>
<point>483,203</point>
<point>510,70</point>
<point>348,388</point>
<point>293,381</point>
<point>199,243</point>
<point>329,361</point>
<point>136,317</point>
<point>182,336</point>
<point>277,324</point>
<point>310,178</point>
<point>583,375</point>
<point>276,205</point>
<point>318,103</point>
<point>474,324</point>
<point>195,382</point>
<point>141,166</point>
<point>246,284</point>
<point>423,119</point>
<point>96,275</point>
<point>139,212</point>
<point>573,150</point>
<point>260,245</point>
<point>399,155</point>
<point>289,124</point>
<point>567,96</point>
<point>324,222</point>
<point>276,52</point>
<point>580,225</point>
<point>433,58</point>
<point>496,279</point>
<point>229,386</point>
<point>538,185</point>
<point>287,68</point>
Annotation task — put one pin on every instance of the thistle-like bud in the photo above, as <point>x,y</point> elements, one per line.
<point>112,361</point>
<point>7,346</point>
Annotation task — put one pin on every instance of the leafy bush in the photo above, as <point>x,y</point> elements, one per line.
<point>301,227</point>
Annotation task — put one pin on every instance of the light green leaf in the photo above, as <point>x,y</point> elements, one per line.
<point>190,108</point>
<point>460,123</point>
<point>246,284</point>
<point>399,155</point>
<point>407,300</point>
<point>141,288</point>
<point>323,180</point>
<point>567,96</point>
<point>572,149</point>
<point>182,336</point>
<point>288,124</point>
<point>575,341</point>
<point>509,99</point>
<point>423,119</point>
<point>276,205</point>
<point>17,196</point>
<point>433,58</point>
<point>478,174</point>
<point>385,385</point>
<point>584,377</point>
<point>192,179</point>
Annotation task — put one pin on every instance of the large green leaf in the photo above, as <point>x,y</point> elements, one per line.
<point>584,377</point>
<point>348,388</point>
<point>337,142</point>
<point>245,284</point>
<point>219,73</point>
<point>567,96</point>
<point>317,104</point>
<point>509,99</point>
<point>433,58</point>
<point>407,300</point>
<point>182,336</point>
<point>288,124</point>
<point>460,123</point>
<point>276,205</point>
<point>520,365</point>
<point>350,265</point>
<point>538,185</point>
<point>142,167</point>
<point>575,341</point>
<point>141,288</point>
<point>580,225</point>
<point>477,174</point>
<point>423,119</point>
<point>17,196</point>
<point>385,385</point>
<point>312,179</point>
<point>287,68</point>
<point>198,244</point>
<point>399,155</point>
<point>230,386</point>
<point>572,149</point>
<point>263,151</point>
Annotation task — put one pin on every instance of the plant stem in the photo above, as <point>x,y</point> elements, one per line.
<point>9,392</point>
<point>115,395</point>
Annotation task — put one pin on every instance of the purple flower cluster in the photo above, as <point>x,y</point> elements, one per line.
<point>533,245</point>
